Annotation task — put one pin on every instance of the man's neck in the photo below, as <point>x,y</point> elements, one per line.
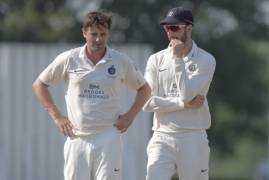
<point>188,47</point>
<point>95,56</point>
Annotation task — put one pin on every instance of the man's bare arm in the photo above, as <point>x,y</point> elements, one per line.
<point>125,120</point>
<point>44,97</point>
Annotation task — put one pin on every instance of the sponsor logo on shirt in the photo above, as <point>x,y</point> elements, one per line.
<point>173,91</point>
<point>93,92</point>
<point>94,86</point>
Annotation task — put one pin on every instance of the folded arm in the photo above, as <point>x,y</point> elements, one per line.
<point>197,83</point>
<point>170,104</point>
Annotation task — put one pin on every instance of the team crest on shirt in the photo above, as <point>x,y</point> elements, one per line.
<point>111,71</point>
<point>192,67</point>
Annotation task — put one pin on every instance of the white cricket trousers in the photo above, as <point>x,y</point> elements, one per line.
<point>94,157</point>
<point>185,153</point>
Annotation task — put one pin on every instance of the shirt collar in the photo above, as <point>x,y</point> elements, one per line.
<point>192,53</point>
<point>107,57</point>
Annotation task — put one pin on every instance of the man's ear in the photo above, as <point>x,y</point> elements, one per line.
<point>83,32</point>
<point>189,28</point>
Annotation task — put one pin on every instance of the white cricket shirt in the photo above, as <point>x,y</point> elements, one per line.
<point>92,92</point>
<point>176,80</point>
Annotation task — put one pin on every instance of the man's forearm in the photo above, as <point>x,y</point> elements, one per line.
<point>163,104</point>
<point>143,94</point>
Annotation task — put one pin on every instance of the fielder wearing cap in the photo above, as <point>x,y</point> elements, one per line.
<point>179,77</point>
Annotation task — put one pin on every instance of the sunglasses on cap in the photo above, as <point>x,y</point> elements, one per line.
<point>173,28</point>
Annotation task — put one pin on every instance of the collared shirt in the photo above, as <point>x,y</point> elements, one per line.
<point>92,92</point>
<point>174,81</point>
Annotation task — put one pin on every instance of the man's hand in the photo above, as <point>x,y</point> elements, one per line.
<point>196,102</point>
<point>123,122</point>
<point>177,48</point>
<point>43,95</point>
<point>65,126</point>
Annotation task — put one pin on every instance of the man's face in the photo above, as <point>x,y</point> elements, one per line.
<point>96,37</point>
<point>179,32</point>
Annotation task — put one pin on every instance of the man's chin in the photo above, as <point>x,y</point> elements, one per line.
<point>99,48</point>
<point>171,38</point>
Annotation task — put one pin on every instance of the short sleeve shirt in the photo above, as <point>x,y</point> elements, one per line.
<point>93,92</point>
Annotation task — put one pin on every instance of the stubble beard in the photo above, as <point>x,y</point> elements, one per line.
<point>184,37</point>
<point>98,49</point>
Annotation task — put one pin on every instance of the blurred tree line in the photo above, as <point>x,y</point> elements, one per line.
<point>235,32</point>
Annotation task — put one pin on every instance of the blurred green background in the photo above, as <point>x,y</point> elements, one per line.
<point>235,32</point>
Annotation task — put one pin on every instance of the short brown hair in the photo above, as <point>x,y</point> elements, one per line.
<point>97,18</point>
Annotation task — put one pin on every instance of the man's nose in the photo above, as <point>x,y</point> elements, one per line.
<point>98,39</point>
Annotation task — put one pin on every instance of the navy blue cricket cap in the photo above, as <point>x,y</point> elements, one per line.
<point>178,15</point>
